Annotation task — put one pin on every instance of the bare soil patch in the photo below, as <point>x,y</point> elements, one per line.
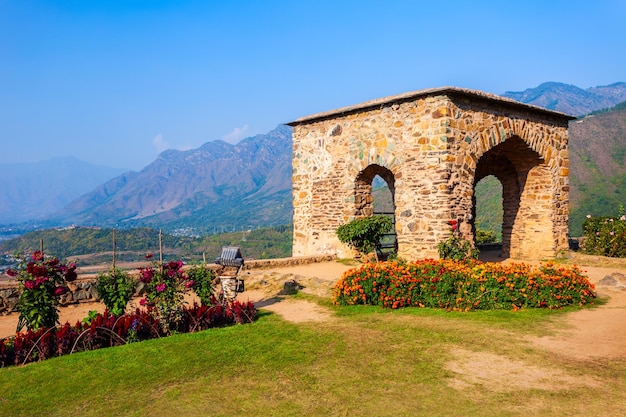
<point>498,373</point>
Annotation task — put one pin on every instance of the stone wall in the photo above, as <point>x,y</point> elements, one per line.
<point>83,290</point>
<point>432,147</point>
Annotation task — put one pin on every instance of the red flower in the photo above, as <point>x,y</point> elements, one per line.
<point>60,290</point>
<point>41,280</point>
<point>30,284</point>
<point>146,275</point>
<point>37,256</point>
<point>11,272</point>
<point>149,255</point>
<point>71,275</point>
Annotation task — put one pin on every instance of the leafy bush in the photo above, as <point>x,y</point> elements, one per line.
<point>166,285</point>
<point>455,247</point>
<point>364,234</point>
<point>485,236</point>
<point>43,281</point>
<point>605,236</point>
<point>201,281</point>
<point>116,288</point>
<point>463,285</point>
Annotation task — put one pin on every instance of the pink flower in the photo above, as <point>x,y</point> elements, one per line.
<point>41,280</point>
<point>189,284</point>
<point>37,256</point>
<point>143,302</point>
<point>146,275</point>
<point>160,287</point>
<point>29,284</point>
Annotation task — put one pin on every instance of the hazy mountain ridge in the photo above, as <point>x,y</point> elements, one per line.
<point>220,186</point>
<point>31,191</point>
<point>570,99</point>
<point>183,184</point>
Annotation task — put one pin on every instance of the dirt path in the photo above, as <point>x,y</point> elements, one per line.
<point>594,333</point>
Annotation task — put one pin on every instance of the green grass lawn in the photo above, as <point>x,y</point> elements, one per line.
<point>365,361</point>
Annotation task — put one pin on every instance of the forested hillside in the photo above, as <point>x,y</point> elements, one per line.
<point>597,165</point>
<point>134,244</point>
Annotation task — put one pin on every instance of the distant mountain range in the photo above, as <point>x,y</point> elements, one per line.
<point>223,187</point>
<point>216,185</point>
<point>570,99</point>
<point>32,191</point>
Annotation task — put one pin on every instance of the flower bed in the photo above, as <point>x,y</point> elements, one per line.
<point>104,330</point>
<point>465,285</point>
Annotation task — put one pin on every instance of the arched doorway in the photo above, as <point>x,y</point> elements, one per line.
<point>375,195</point>
<point>526,196</point>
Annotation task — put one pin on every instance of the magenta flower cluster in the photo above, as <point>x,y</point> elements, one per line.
<point>43,281</point>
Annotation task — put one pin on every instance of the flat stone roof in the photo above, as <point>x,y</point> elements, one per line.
<point>476,94</point>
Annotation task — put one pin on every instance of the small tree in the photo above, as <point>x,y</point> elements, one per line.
<point>364,234</point>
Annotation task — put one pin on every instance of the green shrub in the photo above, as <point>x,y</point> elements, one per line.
<point>116,288</point>
<point>364,234</point>
<point>455,247</point>
<point>605,236</point>
<point>201,281</point>
<point>42,280</point>
<point>463,285</point>
<point>166,284</point>
<point>485,236</point>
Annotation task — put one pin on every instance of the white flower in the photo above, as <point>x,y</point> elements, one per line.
<point>588,216</point>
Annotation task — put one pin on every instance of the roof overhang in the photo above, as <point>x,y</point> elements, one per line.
<point>449,91</point>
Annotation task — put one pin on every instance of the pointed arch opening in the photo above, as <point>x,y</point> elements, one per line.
<point>375,195</point>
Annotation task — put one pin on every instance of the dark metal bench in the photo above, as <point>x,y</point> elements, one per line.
<point>230,259</point>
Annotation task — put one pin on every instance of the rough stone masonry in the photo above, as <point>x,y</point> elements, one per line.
<point>432,147</point>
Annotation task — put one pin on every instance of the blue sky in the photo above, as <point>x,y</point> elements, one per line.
<point>115,82</point>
